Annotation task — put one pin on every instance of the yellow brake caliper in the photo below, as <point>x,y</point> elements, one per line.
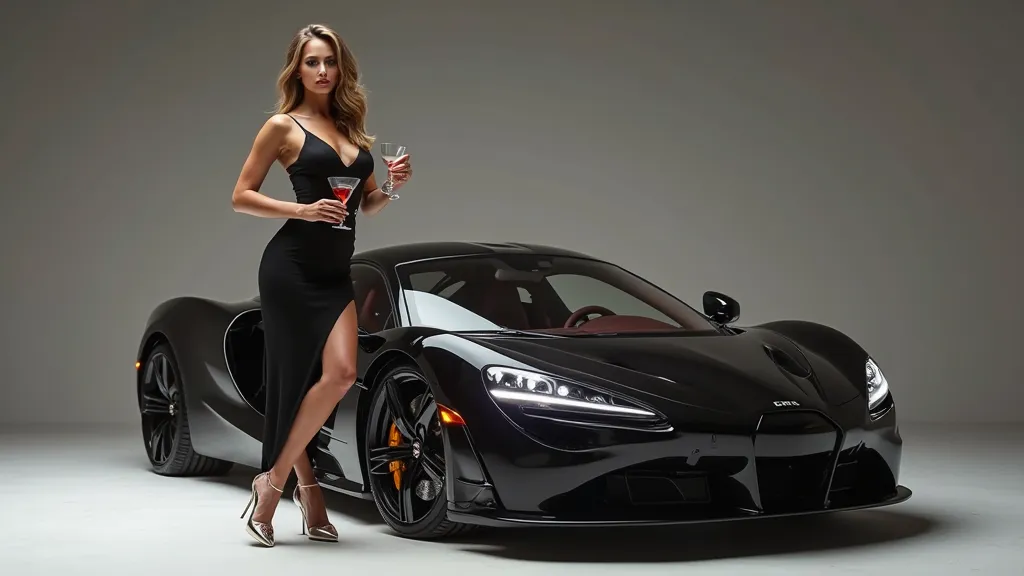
<point>396,467</point>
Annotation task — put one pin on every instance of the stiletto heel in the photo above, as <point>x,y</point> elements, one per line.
<point>251,499</point>
<point>326,532</point>
<point>262,532</point>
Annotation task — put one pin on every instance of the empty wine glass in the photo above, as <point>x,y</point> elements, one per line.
<point>390,152</point>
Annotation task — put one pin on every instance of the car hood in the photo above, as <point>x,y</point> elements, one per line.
<point>741,372</point>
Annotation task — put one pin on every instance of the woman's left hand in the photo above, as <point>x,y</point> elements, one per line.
<point>400,171</point>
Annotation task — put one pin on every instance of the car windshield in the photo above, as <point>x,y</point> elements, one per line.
<point>552,294</point>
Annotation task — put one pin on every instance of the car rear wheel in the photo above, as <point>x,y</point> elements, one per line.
<point>165,431</point>
<point>405,457</point>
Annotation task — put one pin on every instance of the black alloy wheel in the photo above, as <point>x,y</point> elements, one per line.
<point>165,430</point>
<point>405,456</point>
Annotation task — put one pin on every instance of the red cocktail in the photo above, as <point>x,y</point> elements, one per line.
<point>342,192</point>
<point>342,186</point>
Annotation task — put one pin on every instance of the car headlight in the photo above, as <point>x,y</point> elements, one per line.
<point>878,387</point>
<point>543,391</point>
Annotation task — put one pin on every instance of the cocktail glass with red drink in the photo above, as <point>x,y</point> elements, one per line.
<point>342,186</point>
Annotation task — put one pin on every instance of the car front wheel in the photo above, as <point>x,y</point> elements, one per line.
<point>406,458</point>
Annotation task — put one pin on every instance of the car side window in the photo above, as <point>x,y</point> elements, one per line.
<point>373,303</point>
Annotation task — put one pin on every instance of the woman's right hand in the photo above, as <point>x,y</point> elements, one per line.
<point>324,210</point>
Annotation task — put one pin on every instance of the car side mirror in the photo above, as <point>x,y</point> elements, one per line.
<point>721,308</point>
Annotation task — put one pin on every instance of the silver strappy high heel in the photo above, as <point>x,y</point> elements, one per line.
<point>262,532</point>
<point>327,532</point>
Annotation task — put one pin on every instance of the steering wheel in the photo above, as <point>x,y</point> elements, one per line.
<point>576,316</point>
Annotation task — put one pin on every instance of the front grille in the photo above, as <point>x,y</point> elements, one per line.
<point>794,453</point>
<point>794,483</point>
<point>665,488</point>
<point>650,490</point>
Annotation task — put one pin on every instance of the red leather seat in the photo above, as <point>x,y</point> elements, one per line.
<point>369,317</point>
<point>498,302</point>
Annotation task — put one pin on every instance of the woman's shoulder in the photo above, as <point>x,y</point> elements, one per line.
<point>278,128</point>
<point>276,133</point>
<point>280,121</point>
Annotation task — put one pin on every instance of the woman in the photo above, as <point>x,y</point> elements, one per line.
<point>306,293</point>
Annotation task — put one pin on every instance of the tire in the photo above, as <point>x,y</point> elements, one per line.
<point>419,459</point>
<point>165,431</point>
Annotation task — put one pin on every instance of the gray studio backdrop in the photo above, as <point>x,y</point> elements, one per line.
<point>853,163</point>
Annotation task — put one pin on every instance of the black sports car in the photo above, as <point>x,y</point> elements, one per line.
<point>512,384</point>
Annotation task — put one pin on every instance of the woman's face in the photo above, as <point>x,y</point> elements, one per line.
<point>318,67</point>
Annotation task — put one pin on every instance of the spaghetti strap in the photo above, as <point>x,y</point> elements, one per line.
<point>296,122</point>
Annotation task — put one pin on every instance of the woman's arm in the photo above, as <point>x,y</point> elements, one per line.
<point>246,197</point>
<point>374,199</point>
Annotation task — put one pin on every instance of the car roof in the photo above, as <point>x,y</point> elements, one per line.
<point>390,256</point>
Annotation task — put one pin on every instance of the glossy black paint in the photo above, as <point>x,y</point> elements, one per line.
<point>744,412</point>
<point>720,307</point>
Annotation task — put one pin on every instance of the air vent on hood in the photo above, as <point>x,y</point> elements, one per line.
<point>786,362</point>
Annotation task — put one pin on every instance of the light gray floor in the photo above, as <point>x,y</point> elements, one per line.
<point>83,501</point>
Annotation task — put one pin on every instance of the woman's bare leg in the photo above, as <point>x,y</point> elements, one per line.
<point>312,497</point>
<point>304,471</point>
<point>338,375</point>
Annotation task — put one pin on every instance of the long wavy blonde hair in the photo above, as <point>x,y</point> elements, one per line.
<point>348,106</point>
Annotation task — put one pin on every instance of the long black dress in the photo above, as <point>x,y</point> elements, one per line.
<point>304,286</point>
